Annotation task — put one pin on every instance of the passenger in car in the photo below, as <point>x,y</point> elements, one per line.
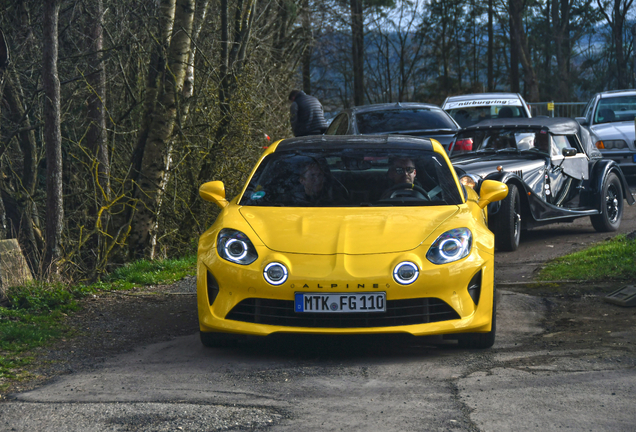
<point>312,179</point>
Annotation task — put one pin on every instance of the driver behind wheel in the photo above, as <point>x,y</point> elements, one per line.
<point>401,171</point>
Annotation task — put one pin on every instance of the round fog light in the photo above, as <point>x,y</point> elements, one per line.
<point>405,273</point>
<point>275,273</point>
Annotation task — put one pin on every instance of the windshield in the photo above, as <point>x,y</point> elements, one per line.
<point>352,178</point>
<point>615,109</point>
<point>403,120</point>
<point>503,141</point>
<point>467,116</point>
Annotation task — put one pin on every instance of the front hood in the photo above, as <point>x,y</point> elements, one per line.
<point>614,131</point>
<point>482,166</point>
<point>347,230</point>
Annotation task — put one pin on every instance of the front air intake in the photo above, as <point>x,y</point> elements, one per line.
<point>213,287</point>
<point>398,313</point>
<point>474,287</point>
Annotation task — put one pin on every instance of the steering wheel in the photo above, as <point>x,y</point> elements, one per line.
<point>393,190</point>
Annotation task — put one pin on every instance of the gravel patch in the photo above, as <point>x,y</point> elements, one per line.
<point>147,417</point>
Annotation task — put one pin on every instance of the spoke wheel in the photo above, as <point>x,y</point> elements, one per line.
<point>611,205</point>
<point>506,224</point>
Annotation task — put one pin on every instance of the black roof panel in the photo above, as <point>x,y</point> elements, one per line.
<point>355,141</point>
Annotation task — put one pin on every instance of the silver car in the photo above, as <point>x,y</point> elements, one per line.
<point>611,115</point>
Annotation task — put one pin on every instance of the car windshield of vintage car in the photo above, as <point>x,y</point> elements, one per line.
<point>615,109</point>
<point>352,178</point>
<point>403,120</point>
<point>469,115</point>
<point>504,141</point>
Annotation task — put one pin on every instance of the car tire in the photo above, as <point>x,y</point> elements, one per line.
<point>507,222</point>
<point>481,340</point>
<point>611,205</point>
<point>217,340</point>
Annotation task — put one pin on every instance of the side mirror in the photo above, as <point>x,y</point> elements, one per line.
<point>581,120</point>
<point>491,191</point>
<point>214,191</point>
<point>568,152</point>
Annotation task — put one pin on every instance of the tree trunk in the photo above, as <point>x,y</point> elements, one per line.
<point>491,56</point>
<point>357,51</point>
<point>529,76</point>
<point>23,224</point>
<point>561,39</point>
<point>155,157</point>
<point>96,136</point>
<point>514,47</point>
<point>309,46</point>
<point>52,140</point>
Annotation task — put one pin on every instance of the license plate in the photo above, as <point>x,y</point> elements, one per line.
<point>340,302</point>
<point>634,157</point>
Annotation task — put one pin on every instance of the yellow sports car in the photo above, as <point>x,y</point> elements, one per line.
<point>349,235</point>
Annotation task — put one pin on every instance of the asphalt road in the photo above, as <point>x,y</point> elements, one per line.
<point>554,366</point>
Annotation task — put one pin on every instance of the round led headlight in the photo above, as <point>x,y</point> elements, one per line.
<point>450,248</point>
<point>236,249</point>
<point>405,273</point>
<point>275,273</point>
<point>234,246</point>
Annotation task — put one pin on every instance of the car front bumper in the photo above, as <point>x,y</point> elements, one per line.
<point>438,302</point>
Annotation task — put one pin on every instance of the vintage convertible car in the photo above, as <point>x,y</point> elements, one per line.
<point>553,171</point>
<point>320,242</point>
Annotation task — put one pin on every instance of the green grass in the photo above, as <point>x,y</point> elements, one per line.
<point>612,260</point>
<point>141,273</point>
<point>33,315</point>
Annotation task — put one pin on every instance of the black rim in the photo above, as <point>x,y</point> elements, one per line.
<point>612,203</point>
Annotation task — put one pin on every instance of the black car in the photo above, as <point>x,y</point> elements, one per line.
<point>553,171</point>
<point>417,119</point>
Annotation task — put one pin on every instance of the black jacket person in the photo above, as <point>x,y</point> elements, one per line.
<point>306,114</point>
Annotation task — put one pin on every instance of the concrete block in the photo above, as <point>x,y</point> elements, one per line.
<point>14,269</point>
<point>625,296</point>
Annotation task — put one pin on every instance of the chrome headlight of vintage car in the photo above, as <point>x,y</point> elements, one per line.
<point>611,144</point>
<point>470,180</point>
<point>451,246</point>
<point>234,246</point>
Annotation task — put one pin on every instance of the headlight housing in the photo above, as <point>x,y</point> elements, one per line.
<point>234,246</point>
<point>451,246</point>
<point>611,144</point>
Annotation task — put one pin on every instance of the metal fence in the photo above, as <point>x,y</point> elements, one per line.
<point>557,109</point>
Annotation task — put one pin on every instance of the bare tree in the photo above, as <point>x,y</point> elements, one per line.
<point>522,50</point>
<point>154,159</point>
<point>616,19</point>
<point>52,139</point>
<point>357,51</point>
